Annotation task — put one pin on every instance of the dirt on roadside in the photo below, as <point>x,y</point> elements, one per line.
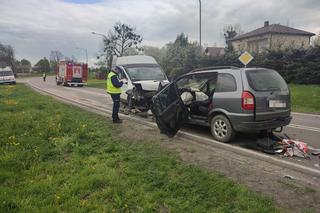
<point>291,190</point>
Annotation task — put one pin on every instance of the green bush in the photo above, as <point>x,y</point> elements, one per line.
<point>299,66</point>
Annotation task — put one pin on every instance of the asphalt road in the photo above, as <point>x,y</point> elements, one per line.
<point>303,127</point>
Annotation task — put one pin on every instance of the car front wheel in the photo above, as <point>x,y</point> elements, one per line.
<point>221,129</point>
<point>130,101</point>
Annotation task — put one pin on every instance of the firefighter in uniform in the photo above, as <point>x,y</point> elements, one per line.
<point>114,89</point>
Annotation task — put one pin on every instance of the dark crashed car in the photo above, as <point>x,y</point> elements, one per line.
<point>227,99</point>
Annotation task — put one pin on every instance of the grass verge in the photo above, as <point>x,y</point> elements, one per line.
<point>56,157</point>
<point>97,83</point>
<point>305,98</point>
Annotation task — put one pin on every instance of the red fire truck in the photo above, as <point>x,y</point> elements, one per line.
<point>72,74</point>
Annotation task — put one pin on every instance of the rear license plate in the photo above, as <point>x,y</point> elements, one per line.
<point>277,104</point>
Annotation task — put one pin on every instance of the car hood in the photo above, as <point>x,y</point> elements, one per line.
<point>150,85</point>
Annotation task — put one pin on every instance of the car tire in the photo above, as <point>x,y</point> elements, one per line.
<point>129,101</point>
<point>221,129</point>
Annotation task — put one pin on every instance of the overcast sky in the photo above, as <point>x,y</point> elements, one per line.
<point>34,27</point>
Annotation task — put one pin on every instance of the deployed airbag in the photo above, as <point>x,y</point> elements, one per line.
<point>186,98</point>
<point>200,96</point>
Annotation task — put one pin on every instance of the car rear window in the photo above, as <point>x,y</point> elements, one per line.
<point>265,80</point>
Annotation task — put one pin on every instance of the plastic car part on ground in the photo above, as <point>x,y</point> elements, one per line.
<point>316,152</point>
<point>294,148</point>
<point>287,147</point>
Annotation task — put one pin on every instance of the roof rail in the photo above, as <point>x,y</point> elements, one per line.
<point>214,68</point>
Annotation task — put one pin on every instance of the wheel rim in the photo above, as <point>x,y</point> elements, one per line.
<point>220,128</point>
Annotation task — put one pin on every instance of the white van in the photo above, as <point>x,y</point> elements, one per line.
<point>7,76</point>
<point>143,75</point>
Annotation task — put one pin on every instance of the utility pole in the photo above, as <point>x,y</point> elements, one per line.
<point>200,22</point>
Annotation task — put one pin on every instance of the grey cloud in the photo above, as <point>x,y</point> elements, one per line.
<point>35,27</point>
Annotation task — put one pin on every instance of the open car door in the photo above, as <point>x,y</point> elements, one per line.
<point>169,111</point>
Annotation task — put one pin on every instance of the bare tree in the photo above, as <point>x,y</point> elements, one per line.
<point>7,57</point>
<point>55,57</point>
<point>230,32</point>
<point>119,40</point>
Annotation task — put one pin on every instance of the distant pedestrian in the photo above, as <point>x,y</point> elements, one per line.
<point>44,75</point>
<point>114,89</point>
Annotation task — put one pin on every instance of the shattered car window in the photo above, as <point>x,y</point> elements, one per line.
<point>204,82</point>
<point>191,82</point>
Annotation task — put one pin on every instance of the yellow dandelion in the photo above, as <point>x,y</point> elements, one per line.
<point>10,102</point>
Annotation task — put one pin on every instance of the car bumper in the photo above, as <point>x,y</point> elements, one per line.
<point>254,126</point>
<point>8,82</point>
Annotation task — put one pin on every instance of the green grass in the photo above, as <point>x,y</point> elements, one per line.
<point>59,158</point>
<point>97,83</point>
<point>305,98</point>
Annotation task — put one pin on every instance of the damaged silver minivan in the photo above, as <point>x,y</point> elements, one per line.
<point>227,99</point>
<point>143,76</point>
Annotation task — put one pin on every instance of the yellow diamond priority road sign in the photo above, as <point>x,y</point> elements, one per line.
<point>245,58</point>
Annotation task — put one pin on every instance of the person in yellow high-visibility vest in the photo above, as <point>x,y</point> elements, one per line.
<point>114,89</point>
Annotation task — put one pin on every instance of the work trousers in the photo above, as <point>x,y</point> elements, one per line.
<point>116,106</point>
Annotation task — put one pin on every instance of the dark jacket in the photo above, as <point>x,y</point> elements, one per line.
<point>115,81</point>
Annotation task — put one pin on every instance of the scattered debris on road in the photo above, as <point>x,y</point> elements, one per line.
<point>289,177</point>
<point>316,152</point>
<point>275,144</point>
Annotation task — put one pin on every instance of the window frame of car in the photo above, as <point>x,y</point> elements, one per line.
<point>226,74</point>
<point>193,74</point>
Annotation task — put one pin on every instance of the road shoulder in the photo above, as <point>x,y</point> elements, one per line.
<point>290,189</point>
<point>295,194</point>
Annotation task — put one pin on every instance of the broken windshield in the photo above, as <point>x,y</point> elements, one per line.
<point>146,73</point>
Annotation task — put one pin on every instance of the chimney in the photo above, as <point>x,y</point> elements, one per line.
<point>266,23</point>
